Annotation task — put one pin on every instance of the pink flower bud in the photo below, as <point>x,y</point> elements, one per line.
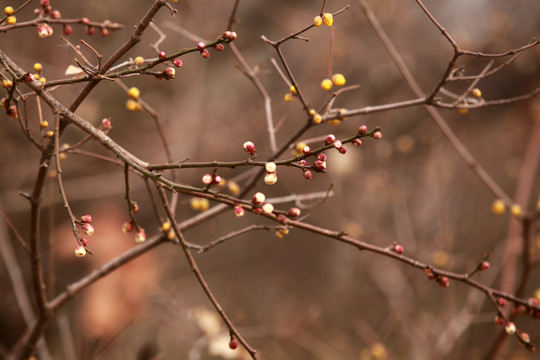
<point>270,167</point>
<point>330,139</point>
<point>268,208</point>
<point>270,178</point>
<point>80,251</point>
<point>85,21</point>
<point>398,248</point>
<point>239,211</point>
<point>169,73</point>
<point>106,124</point>
<point>29,78</point>
<point>201,46</point>
<point>501,302</point>
<point>217,179</point>
<point>308,174</point>
<point>342,149</point>
<point>84,242</point>
<point>357,142</point>
<point>319,165</point>
<point>86,219</point>
<point>127,227</point>
<point>88,229</point>
<point>302,162</point>
<point>205,54</point>
<point>219,47</point>
<point>321,157</point>
<point>140,236</point>
<point>68,30</point>
<point>55,14</point>
<point>306,150</point>
<point>233,344</point>
<point>444,281</point>
<point>249,147</point>
<point>377,135</point>
<point>337,144</point>
<point>90,30</point>
<point>162,55</point>
<point>362,129</point>
<point>294,212</point>
<point>178,63</point>
<point>484,265</point>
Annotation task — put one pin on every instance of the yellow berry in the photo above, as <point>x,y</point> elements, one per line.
<point>134,93</point>
<point>317,118</point>
<point>284,231</point>
<point>133,105</point>
<point>292,89</point>
<point>62,156</point>
<point>44,124</point>
<point>38,67</point>
<point>327,19</point>
<point>498,207</point>
<point>476,92</point>
<point>6,84</point>
<point>42,79</point>
<point>37,77</point>
<point>338,80</point>
<point>317,21</point>
<point>171,235</point>
<point>288,97</point>
<point>8,10</point>
<point>139,60</point>
<point>515,210</point>
<point>49,134</point>
<point>312,112</point>
<point>326,84</point>
<point>11,20</point>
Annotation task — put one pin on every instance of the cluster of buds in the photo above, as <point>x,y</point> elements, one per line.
<point>271,175</point>
<point>229,36</point>
<point>84,221</point>
<point>11,19</point>
<point>208,179</point>
<point>335,80</point>
<point>326,19</point>
<point>46,7</point>
<point>168,230</point>
<point>338,145</point>
<point>199,204</point>
<point>44,30</point>
<point>443,281</point>
<point>291,94</point>
<point>281,232</point>
<point>201,46</point>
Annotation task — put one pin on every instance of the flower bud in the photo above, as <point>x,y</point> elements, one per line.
<point>270,167</point>
<point>127,227</point>
<point>268,208</point>
<point>377,135</point>
<point>219,47</point>
<point>86,219</point>
<point>201,46</point>
<point>337,144</point>
<point>306,150</point>
<point>249,147</point>
<point>67,29</point>
<point>205,54</point>
<point>162,55</point>
<point>106,124</point>
<point>294,212</point>
<point>317,21</point>
<point>510,328</point>
<point>330,139</point>
<point>207,179</point>
<point>362,129</point>
<point>342,150</point>
<point>239,211</point>
<point>270,178</point>
<point>139,60</point>
<point>140,236</point>
<point>338,80</point>
<point>178,63</point>
<point>484,265</point>
<point>326,84</point>
<point>169,73</point>
<point>308,174</point>
<point>357,142</point>
<point>134,93</point>
<point>88,229</point>
<point>327,19</point>
<point>80,251</point>
<point>258,198</point>
<point>84,242</point>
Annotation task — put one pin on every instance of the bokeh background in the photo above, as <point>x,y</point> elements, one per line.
<point>303,296</point>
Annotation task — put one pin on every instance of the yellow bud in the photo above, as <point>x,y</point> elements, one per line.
<point>38,67</point>
<point>440,258</point>
<point>134,93</point>
<point>326,84</point>
<point>49,134</point>
<point>139,60</point>
<point>317,118</point>
<point>498,207</point>
<point>516,210</point>
<point>9,10</point>
<point>334,122</point>
<point>233,187</point>
<point>476,92</point>
<point>279,235</point>
<point>317,21</point>
<point>292,89</point>
<point>166,226</point>
<point>6,84</point>
<point>284,231</point>
<point>288,97</point>
<point>11,20</point>
<point>171,235</point>
<point>379,352</point>
<point>44,124</point>
<point>204,204</point>
<point>299,146</point>
<point>37,77</point>
<point>327,19</point>
<point>62,156</point>
<point>338,80</point>
<point>42,79</point>
<point>312,112</point>
<point>270,178</point>
<point>133,105</point>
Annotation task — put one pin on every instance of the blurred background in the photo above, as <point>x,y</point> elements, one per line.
<point>303,296</point>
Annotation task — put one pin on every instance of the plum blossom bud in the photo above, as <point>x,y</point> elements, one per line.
<point>444,281</point>
<point>205,54</point>
<point>270,167</point>
<point>140,236</point>
<point>127,227</point>
<point>239,211</point>
<point>217,179</point>
<point>362,129</point>
<point>162,55</point>
<point>201,46</point>
<point>44,30</point>
<point>233,344</point>
<point>484,265</point>
<point>106,124</point>
<point>88,229</point>
<point>337,144</point>
<point>207,179</point>
<point>377,135</point>
<point>249,147</point>
<point>321,157</point>
<point>268,208</point>
<point>302,162</point>
<point>270,178</point>
<point>306,150</point>
<point>294,212</point>
<point>330,139</point>
<point>84,242</point>
<point>86,219</point>
<point>398,248</point>
<point>80,251</point>
<point>178,63</point>
<point>219,47</point>
<point>342,150</point>
<point>510,328</point>
<point>169,73</point>
<point>258,198</point>
<point>308,174</point>
<point>357,142</point>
